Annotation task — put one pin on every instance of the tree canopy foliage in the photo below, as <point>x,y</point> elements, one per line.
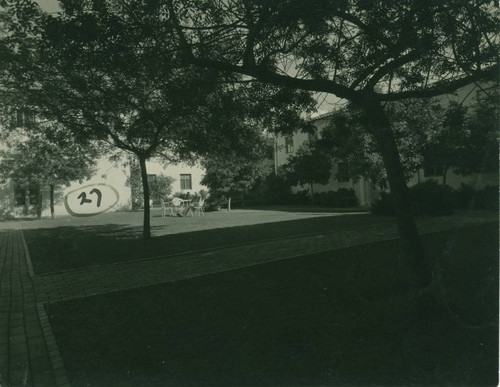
<point>309,165</point>
<point>430,134</point>
<point>110,71</point>
<point>367,52</point>
<point>45,157</point>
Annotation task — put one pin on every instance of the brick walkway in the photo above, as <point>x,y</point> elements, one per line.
<point>28,351</point>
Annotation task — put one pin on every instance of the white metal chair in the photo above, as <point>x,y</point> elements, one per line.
<point>177,204</point>
<point>163,208</point>
<point>173,206</point>
<point>198,207</point>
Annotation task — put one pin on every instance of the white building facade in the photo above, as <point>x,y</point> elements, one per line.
<point>287,146</point>
<point>111,178</point>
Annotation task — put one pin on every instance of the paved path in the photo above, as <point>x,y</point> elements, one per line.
<point>28,351</point>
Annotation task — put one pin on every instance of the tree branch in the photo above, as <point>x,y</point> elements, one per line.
<point>444,87</point>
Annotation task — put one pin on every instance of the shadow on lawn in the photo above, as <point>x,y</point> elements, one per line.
<point>325,319</point>
<point>307,209</point>
<point>72,247</point>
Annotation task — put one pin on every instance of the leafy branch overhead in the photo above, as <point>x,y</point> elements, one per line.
<point>347,48</point>
<point>366,52</point>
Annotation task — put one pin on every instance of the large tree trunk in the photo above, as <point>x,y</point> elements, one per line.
<point>52,201</point>
<point>413,251</point>
<point>146,230</point>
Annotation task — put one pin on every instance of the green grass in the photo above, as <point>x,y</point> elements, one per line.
<point>337,318</point>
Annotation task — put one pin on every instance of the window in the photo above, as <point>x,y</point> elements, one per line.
<point>289,144</point>
<point>186,181</point>
<point>20,194</point>
<point>342,172</point>
<point>432,170</point>
<point>23,118</point>
<point>312,137</point>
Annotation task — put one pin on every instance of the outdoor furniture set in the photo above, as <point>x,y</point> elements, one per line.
<point>182,207</point>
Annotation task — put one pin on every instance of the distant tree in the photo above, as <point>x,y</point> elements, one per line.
<point>45,157</point>
<point>428,133</point>
<point>308,165</point>
<point>233,176</point>
<point>482,124</point>
<point>448,145</point>
<point>414,122</point>
<point>466,140</point>
<point>161,187</point>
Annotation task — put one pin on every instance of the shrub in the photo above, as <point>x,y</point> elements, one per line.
<point>204,194</point>
<point>463,196</point>
<point>160,188</point>
<point>345,197</point>
<point>182,195</point>
<point>383,206</point>
<point>325,198</point>
<point>300,197</point>
<point>486,198</point>
<point>431,198</point>
<point>427,198</point>
<point>277,190</point>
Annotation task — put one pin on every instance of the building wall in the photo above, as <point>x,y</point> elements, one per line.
<point>175,171</point>
<point>364,190</point>
<point>365,193</point>
<point>114,174</point>
<point>7,202</point>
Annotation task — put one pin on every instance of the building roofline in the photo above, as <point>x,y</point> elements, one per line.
<point>321,116</point>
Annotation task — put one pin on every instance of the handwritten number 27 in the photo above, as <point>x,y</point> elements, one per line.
<point>83,197</point>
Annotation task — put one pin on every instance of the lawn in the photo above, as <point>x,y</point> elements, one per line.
<point>337,318</point>
<point>72,243</point>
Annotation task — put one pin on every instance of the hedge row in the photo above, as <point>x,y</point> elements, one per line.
<point>432,198</point>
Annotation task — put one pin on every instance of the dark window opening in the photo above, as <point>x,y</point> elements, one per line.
<point>433,170</point>
<point>186,182</point>
<point>342,172</point>
<point>21,194</point>
<point>23,118</point>
<point>289,144</point>
<point>312,137</point>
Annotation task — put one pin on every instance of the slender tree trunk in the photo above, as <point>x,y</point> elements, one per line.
<point>52,201</point>
<point>410,240</point>
<point>39,202</point>
<point>312,193</point>
<point>445,172</point>
<point>26,201</point>
<point>229,204</point>
<point>146,229</point>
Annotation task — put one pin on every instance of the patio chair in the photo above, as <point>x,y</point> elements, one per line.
<point>163,208</point>
<point>176,205</point>
<point>198,207</point>
<point>166,207</point>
